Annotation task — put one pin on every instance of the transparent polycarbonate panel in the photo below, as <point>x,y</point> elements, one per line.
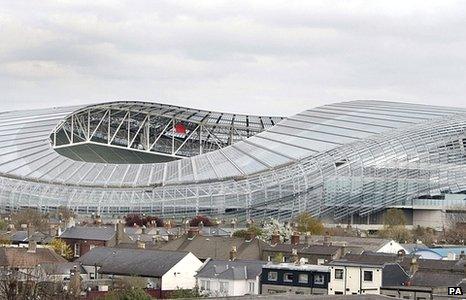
<point>157,173</point>
<point>222,165</point>
<point>246,163</point>
<point>309,134</point>
<point>270,158</point>
<point>332,130</point>
<point>204,168</point>
<point>289,150</point>
<point>314,145</point>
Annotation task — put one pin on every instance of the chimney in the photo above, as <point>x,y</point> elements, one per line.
<point>413,266</point>
<point>192,232</point>
<point>32,246</point>
<point>233,253</point>
<point>400,255</point>
<point>462,255</point>
<point>168,224</point>
<point>275,238</point>
<point>295,238</point>
<point>200,225</point>
<point>294,256</point>
<point>307,238</point>
<point>143,229</point>
<point>140,244</point>
<point>343,249</point>
<point>119,232</point>
<point>30,230</point>
<point>326,241</point>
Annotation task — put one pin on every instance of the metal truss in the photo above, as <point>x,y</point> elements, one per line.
<point>163,130</point>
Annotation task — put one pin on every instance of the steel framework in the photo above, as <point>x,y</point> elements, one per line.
<point>337,160</point>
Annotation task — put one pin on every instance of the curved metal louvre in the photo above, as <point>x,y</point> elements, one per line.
<point>27,154</point>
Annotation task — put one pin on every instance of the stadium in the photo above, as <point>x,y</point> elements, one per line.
<point>339,161</point>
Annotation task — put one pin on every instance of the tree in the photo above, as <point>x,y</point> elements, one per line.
<point>278,258</point>
<point>197,219</point>
<point>398,233</point>
<point>253,230</point>
<point>307,223</point>
<point>394,217</point>
<point>271,226</point>
<point>30,216</point>
<point>65,214</point>
<point>127,294</point>
<point>2,225</point>
<point>424,234</point>
<point>185,293</point>
<point>132,219</point>
<point>62,248</point>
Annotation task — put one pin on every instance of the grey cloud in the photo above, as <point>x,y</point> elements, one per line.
<point>270,57</point>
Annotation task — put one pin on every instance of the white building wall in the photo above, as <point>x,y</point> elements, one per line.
<point>235,287</point>
<point>181,275</point>
<point>391,247</point>
<point>353,281</point>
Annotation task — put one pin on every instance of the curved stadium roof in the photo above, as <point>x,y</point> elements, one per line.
<point>122,147</point>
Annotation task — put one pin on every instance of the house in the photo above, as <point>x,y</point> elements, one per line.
<point>312,254</point>
<point>160,270</point>
<point>217,247</point>
<point>428,279</point>
<point>81,239</point>
<point>229,278</point>
<point>61,272</point>
<point>357,244</point>
<point>364,274</point>
<point>26,261</point>
<point>294,278</point>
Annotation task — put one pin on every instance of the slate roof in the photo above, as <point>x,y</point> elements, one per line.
<point>61,268</point>
<point>217,247</point>
<point>367,243</point>
<point>367,258</point>
<point>428,278</point>
<point>231,270</point>
<point>22,237</point>
<point>162,231</point>
<point>103,233</point>
<point>132,262</point>
<point>456,266</point>
<point>304,248</point>
<point>20,257</point>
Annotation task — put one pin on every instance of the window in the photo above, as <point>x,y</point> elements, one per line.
<point>205,285</point>
<point>288,277</point>
<point>224,287</point>
<point>319,279</point>
<point>91,247</point>
<point>368,275</point>
<point>338,273</point>
<point>76,250</point>
<point>303,278</point>
<point>251,287</point>
<point>272,276</point>
<point>338,293</point>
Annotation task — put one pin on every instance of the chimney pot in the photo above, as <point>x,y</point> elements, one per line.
<point>32,246</point>
<point>275,238</point>
<point>295,239</point>
<point>192,232</point>
<point>233,253</point>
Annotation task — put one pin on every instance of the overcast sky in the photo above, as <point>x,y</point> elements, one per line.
<point>263,57</point>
